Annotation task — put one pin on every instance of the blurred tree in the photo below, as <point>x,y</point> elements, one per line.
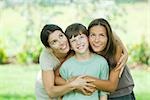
<point>21,20</point>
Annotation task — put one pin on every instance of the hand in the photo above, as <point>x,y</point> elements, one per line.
<point>71,79</point>
<point>121,64</point>
<point>80,82</point>
<point>84,86</point>
<point>86,90</point>
<point>92,88</point>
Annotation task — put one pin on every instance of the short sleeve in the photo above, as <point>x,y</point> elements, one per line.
<point>47,61</point>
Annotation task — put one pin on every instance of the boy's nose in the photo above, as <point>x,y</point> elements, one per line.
<point>78,41</point>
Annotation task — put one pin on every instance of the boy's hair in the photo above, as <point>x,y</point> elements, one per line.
<point>46,31</point>
<point>75,29</point>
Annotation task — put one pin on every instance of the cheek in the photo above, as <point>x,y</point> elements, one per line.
<point>105,41</point>
<point>54,48</point>
<point>65,39</point>
<point>90,39</point>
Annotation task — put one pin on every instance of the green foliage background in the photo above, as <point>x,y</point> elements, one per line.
<point>22,21</point>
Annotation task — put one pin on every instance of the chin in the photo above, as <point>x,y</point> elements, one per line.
<point>96,50</point>
<point>66,51</point>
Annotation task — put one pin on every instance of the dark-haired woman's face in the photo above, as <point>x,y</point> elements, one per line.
<point>98,38</point>
<point>58,42</point>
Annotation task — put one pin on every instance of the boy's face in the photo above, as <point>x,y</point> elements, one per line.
<point>79,43</point>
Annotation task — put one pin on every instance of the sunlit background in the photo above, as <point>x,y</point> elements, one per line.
<point>22,20</point>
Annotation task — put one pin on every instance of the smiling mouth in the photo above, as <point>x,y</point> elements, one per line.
<point>80,47</point>
<point>63,47</point>
<point>96,45</point>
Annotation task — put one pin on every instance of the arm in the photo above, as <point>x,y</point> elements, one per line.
<point>124,57</point>
<point>111,84</point>
<point>107,85</point>
<point>53,91</point>
<point>121,44</point>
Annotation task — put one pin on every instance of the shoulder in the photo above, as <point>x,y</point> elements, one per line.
<point>47,60</point>
<point>45,56</point>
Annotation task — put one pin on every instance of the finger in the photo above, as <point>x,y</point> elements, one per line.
<point>89,89</point>
<point>118,68</point>
<point>90,80</point>
<point>81,76</point>
<point>119,62</point>
<point>84,92</point>
<point>121,72</point>
<point>90,85</point>
<point>88,94</point>
<point>120,59</point>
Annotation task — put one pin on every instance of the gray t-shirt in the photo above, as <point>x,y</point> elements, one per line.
<point>125,85</point>
<point>48,61</point>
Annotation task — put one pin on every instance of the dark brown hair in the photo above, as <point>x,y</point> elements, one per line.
<point>110,50</point>
<point>75,29</point>
<point>46,31</point>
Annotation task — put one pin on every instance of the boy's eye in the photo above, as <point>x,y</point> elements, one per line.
<point>81,36</point>
<point>72,40</point>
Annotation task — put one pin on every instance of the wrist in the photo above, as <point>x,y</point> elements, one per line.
<point>70,85</point>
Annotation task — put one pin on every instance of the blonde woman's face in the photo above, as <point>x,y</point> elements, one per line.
<point>98,38</point>
<point>58,42</point>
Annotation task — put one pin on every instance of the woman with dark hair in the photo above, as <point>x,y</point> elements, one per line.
<point>104,42</point>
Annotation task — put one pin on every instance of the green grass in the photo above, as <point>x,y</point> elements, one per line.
<point>142,83</point>
<point>17,82</point>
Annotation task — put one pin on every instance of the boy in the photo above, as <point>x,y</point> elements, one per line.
<point>83,62</point>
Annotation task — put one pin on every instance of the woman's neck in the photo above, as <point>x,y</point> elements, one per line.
<point>101,53</point>
<point>61,56</point>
